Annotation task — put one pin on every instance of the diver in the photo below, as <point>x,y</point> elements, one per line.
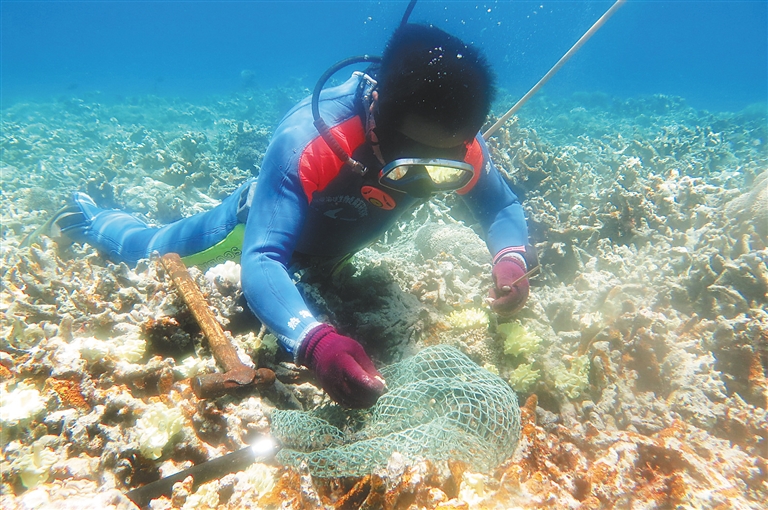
<point>332,182</point>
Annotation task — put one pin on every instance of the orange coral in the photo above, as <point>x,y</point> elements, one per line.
<point>286,493</point>
<point>69,393</point>
<point>757,378</point>
<point>619,468</point>
<point>5,373</point>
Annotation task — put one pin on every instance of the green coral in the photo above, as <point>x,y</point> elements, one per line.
<point>470,318</point>
<point>518,341</point>
<point>572,382</point>
<point>523,377</point>
<point>269,344</point>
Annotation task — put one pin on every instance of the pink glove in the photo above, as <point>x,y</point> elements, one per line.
<point>345,372</point>
<point>508,298</point>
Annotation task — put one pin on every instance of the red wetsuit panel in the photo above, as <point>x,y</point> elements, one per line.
<point>475,158</point>
<point>319,165</point>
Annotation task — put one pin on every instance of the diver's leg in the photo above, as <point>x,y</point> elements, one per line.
<point>125,238</point>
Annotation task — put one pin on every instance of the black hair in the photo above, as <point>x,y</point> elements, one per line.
<point>430,73</point>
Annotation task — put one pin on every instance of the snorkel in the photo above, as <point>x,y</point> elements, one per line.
<point>320,124</point>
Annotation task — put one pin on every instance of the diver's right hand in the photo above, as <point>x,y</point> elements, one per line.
<point>343,368</point>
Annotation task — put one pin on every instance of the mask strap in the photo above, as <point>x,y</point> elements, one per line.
<point>370,96</point>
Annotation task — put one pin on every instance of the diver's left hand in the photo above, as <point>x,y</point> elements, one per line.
<point>508,297</point>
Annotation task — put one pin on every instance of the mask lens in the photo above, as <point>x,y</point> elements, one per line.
<point>401,172</point>
<point>444,174</point>
<point>437,174</point>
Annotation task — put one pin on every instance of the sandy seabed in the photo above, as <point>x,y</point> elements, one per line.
<point>639,361</point>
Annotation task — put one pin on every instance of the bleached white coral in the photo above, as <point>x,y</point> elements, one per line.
<point>228,271</point>
<point>131,349</point>
<point>129,346</point>
<point>470,318</point>
<point>69,494</point>
<point>157,425</point>
<point>34,466</point>
<point>92,349</point>
<point>473,490</point>
<point>20,405</point>
<point>249,485</point>
<point>206,496</point>
<point>258,478</point>
<point>190,367</point>
<point>65,358</point>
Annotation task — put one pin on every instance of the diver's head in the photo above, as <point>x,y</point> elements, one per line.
<point>434,94</point>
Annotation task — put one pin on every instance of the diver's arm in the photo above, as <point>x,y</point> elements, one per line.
<point>497,209</point>
<point>292,170</point>
<point>501,216</point>
<point>274,223</point>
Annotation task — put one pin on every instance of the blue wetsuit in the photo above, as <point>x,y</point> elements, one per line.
<point>306,204</point>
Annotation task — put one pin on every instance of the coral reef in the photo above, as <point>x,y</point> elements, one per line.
<point>642,351</point>
<point>523,377</point>
<point>469,318</point>
<point>156,427</point>
<point>517,340</point>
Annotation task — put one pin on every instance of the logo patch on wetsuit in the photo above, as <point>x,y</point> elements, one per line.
<point>341,207</point>
<point>378,197</point>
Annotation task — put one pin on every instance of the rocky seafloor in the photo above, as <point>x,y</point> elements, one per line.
<point>639,361</point>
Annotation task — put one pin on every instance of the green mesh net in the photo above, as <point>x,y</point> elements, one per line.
<point>440,405</point>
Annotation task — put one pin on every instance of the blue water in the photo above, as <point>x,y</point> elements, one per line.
<point>714,54</point>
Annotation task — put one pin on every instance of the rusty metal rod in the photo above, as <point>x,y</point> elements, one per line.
<point>222,349</point>
<point>237,375</point>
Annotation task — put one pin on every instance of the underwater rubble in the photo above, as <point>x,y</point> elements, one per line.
<point>641,357</point>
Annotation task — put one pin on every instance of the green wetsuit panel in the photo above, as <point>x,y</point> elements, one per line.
<point>229,248</point>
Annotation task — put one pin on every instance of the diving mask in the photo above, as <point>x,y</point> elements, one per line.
<point>420,177</point>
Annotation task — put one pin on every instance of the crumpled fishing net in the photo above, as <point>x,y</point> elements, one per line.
<point>440,405</point>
